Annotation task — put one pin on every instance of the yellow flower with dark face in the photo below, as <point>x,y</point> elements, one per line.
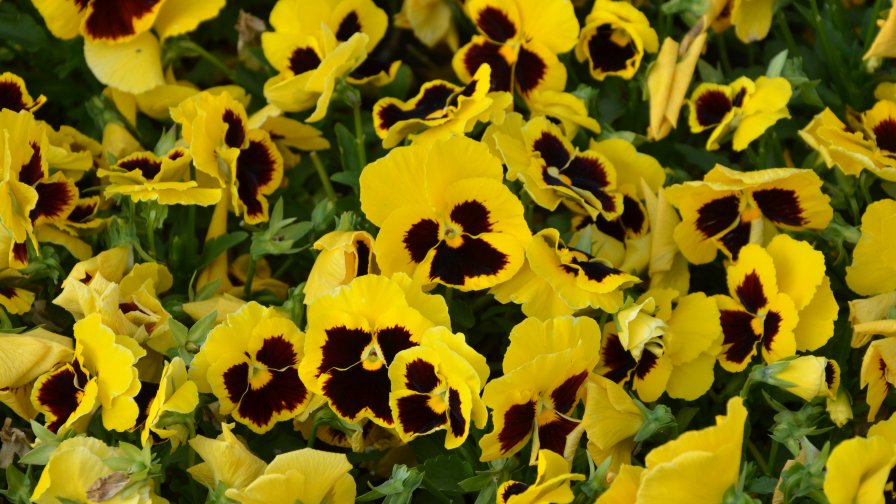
<point>551,484</point>
<point>290,135</point>
<point>436,386</point>
<point>807,376</point>
<point>102,374</point>
<point>545,368</point>
<point>558,280</point>
<point>23,358</point>
<point>306,475</point>
<point>519,40</point>
<point>743,110</point>
<point>439,110</point>
<point>14,95</point>
<point>751,18</point>
<point>119,47</point>
<point>444,215</point>
<point>729,209</point>
<point>354,335</point>
<point>780,298</point>
<point>615,37</point>
<point>251,364</point>
<point>878,373</point>
<point>143,176</point>
<point>664,349</point>
<point>29,195</point>
<point>566,108</point>
<point>870,317</point>
<point>245,162</point>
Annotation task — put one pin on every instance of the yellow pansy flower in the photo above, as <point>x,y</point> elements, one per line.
<point>614,39</point>
<point>344,255</point>
<point>14,95</point>
<point>858,470</point>
<point>551,483</point>
<point>354,334</point>
<point>250,362</point>
<point>227,461</point>
<point>872,271</point>
<point>177,395</point>
<point>444,215</point>
<point>519,40</point>
<point>23,358</point>
<point>611,420</point>
<point>307,475</point>
<point>143,176</point>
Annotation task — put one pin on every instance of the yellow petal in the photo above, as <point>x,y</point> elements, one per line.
<point>133,66</point>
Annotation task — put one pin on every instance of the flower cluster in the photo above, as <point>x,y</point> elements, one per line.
<point>448,251</point>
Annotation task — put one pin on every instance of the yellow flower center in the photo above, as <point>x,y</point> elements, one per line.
<point>372,357</point>
<point>453,236</point>
<point>438,400</point>
<point>259,375</point>
<point>555,172</point>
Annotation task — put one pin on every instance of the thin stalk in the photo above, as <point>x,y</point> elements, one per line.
<point>760,460</point>
<point>324,177</point>
<point>359,132</point>
<point>250,276</point>
<point>211,58</point>
<point>784,28</point>
<point>829,54</point>
<point>151,236</point>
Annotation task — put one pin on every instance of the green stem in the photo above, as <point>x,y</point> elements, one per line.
<point>324,177</point>
<point>151,236</point>
<point>250,275</point>
<point>781,19</point>
<point>431,488</point>
<point>870,28</point>
<point>773,454</point>
<point>723,55</point>
<point>760,460</point>
<point>832,60</point>
<point>207,56</point>
<point>359,132</point>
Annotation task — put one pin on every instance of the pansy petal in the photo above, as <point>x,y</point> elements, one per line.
<point>133,66</point>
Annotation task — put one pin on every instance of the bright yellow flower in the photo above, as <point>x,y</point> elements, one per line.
<point>101,374</point>
<point>858,470</point>
<point>440,110</point>
<point>177,395</point>
<point>743,110</point>
<point>751,19</point>
<point>519,40</point>
<point>884,44</point>
<point>76,465</point>
<point>436,386</point>
<point>808,376</point>
<point>872,269</point>
<point>614,39</point>
<point>14,95</point>
<point>728,209</point>
<point>568,109</point>
<point>557,280</point>
<point>431,21</point>
<point>344,255</point>
<point>545,367</point>
<point>289,135</point>
<point>23,358</point>
<point>444,215</point>
<point>611,420</point>
<point>668,81</point>
<point>551,483</point>
<point>878,373</point>
<point>251,364</point>
<point>143,176</point>
<point>227,461</point>
<point>245,162</point>
<point>676,472</point>
<point>354,335</point>
<point>119,47</point>
<point>871,317</point>
<point>664,349</point>
<point>307,475</point>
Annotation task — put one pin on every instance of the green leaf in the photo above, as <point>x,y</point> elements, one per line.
<point>201,328</point>
<point>39,455</point>
<point>462,315</point>
<point>217,246</point>
<point>709,73</point>
<point>348,149</point>
<point>20,28</point>
<point>776,65</point>
<point>18,485</point>
<point>445,472</point>
<point>351,179</point>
